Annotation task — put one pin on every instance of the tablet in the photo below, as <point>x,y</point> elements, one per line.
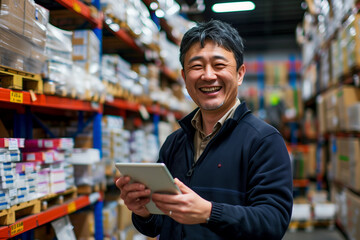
<point>154,176</point>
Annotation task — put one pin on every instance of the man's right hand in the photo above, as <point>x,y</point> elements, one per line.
<point>135,196</point>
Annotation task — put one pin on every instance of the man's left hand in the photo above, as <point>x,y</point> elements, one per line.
<point>185,208</point>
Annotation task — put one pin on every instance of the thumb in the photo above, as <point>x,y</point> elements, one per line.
<point>183,188</point>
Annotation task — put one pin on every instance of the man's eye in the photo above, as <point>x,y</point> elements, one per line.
<point>196,66</point>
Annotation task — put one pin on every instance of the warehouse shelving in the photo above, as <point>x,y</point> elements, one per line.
<point>26,103</point>
<point>33,221</point>
<point>92,15</point>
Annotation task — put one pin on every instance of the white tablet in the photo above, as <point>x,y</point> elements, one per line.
<point>154,176</point>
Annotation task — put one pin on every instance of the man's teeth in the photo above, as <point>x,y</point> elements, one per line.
<point>210,89</point>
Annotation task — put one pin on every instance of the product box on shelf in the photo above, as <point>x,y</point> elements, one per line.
<point>110,217</point>
<point>12,143</point>
<point>347,96</point>
<point>84,224</point>
<point>353,112</point>
<point>12,15</point>
<point>353,215</point>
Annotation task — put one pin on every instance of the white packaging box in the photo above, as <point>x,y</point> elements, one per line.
<point>57,187</point>
<point>21,199</point>
<point>5,165</point>
<point>4,205</point>
<point>32,175</point>
<point>4,178</point>
<point>324,211</point>
<point>6,194</point>
<point>301,212</point>
<point>57,175</point>
<point>85,156</point>
<point>20,183</point>
<point>22,191</point>
<point>43,189</point>
<point>31,182</point>
<point>7,171</point>
<point>7,184</point>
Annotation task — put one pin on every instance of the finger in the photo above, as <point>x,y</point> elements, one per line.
<point>139,194</point>
<point>133,187</point>
<point>183,188</point>
<point>122,181</point>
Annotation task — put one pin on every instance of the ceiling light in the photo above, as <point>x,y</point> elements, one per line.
<point>159,13</point>
<point>153,6</point>
<point>233,7</point>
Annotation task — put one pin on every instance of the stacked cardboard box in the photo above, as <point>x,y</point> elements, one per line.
<point>23,30</point>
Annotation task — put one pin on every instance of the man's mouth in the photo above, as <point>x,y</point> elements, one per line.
<point>210,89</point>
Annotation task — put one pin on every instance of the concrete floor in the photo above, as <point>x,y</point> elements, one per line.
<point>316,234</point>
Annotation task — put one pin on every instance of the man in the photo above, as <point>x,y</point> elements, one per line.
<point>233,169</point>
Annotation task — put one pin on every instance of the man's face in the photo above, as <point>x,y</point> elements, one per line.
<point>211,77</point>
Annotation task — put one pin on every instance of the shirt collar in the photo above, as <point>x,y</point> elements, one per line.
<point>196,121</point>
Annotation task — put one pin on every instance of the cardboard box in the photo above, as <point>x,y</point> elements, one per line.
<point>347,96</point>
<point>353,215</point>
<point>12,14</point>
<point>124,216</point>
<point>28,18</point>
<point>84,224</point>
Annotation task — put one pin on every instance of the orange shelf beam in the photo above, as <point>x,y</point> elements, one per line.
<point>35,220</point>
<point>131,106</point>
<point>41,100</point>
<point>169,73</point>
<point>300,182</point>
<point>126,38</point>
<point>92,15</point>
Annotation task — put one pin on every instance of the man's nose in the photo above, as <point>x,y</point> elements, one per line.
<point>208,74</point>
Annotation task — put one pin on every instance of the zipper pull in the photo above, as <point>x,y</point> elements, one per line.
<point>190,172</point>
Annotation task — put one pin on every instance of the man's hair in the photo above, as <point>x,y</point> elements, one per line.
<point>217,31</point>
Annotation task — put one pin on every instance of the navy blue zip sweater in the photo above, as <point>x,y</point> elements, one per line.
<point>244,171</point>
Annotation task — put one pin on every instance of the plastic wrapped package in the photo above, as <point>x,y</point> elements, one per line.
<point>58,67</point>
<point>115,9</point>
<point>57,74</point>
<point>109,68</point>
<point>78,83</point>
<point>59,43</point>
<point>179,25</point>
<point>12,15</point>
<point>40,22</point>
<point>169,53</point>
<point>20,53</point>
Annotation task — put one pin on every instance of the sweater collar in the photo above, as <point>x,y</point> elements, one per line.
<point>186,125</point>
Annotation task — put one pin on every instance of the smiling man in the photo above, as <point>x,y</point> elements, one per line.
<point>233,169</point>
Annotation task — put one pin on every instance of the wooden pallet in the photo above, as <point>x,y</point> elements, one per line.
<point>306,225</point>
<point>54,199</point>
<point>9,216</point>
<point>19,80</point>
<point>88,189</point>
<point>326,223</point>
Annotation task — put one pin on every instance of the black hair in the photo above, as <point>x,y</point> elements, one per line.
<point>217,31</point>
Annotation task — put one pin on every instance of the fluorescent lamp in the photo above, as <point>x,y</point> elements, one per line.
<point>159,13</point>
<point>233,7</point>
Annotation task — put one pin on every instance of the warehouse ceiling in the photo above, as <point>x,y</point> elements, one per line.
<point>271,26</point>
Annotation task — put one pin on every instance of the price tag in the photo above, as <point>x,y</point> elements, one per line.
<point>13,144</point>
<point>71,207</point>
<point>17,228</point>
<point>16,97</point>
<point>77,8</point>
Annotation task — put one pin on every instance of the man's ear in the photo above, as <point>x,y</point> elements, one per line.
<point>183,74</point>
<point>241,74</point>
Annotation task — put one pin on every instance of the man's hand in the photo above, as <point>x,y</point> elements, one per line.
<point>135,196</point>
<point>185,208</point>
